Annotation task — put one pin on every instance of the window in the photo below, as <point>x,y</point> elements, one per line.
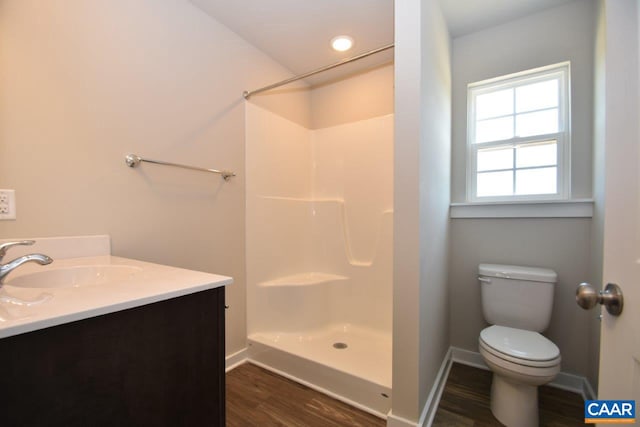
<point>518,136</point>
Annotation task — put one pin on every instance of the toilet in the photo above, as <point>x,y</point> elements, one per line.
<point>517,302</point>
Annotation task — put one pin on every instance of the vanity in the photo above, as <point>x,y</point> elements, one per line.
<point>93,339</point>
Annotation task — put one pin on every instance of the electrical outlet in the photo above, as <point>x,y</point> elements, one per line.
<point>7,204</point>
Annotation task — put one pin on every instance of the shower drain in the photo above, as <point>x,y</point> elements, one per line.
<point>340,345</point>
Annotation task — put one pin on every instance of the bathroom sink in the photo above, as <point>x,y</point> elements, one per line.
<point>75,276</point>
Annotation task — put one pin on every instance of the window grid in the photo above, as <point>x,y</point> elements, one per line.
<point>561,138</point>
<point>514,115</point>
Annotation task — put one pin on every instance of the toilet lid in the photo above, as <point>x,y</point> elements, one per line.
<point>527,345</point>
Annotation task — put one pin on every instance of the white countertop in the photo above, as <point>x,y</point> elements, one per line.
<point>152,283</point>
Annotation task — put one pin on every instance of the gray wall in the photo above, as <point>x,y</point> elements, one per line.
<point>554,35</point>
<point>560,244</point>
<point>83,83</point>
<point>422,148</point>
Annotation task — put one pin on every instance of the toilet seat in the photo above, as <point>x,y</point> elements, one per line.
<point>526,348</point>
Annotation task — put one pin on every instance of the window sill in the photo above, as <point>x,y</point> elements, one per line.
<point>578,208</point>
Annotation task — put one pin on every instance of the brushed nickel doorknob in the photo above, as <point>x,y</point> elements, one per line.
<point>587,297</point>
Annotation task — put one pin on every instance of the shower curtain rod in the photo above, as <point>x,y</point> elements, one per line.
<point>248,93</point>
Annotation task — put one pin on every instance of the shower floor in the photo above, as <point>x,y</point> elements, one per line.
<point>347,362</point>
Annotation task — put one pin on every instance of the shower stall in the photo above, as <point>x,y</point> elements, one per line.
<point>319,227</point>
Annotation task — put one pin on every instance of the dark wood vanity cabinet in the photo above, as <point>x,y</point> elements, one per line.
<point>160,364</point>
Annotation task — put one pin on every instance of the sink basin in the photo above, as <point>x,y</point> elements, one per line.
<point>74,277</point>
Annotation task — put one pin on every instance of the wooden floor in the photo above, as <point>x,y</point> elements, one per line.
<point>257,397</point>
<point>465,402</point>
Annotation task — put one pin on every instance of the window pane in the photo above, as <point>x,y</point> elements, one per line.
<point>537,96</point>
<point>543,154</point>
<point>495,158</point>
<point>494,104</point>
<point>538,123</point>
<point>494,129</point>
<point>536,181</point>
<point>494,184</point>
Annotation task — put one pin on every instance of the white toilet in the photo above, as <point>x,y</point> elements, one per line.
<point>517,301</point>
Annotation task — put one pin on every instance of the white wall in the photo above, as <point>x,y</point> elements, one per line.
<point>619,365</point>
<point>563,244</point>
<point>597,223</point>
<point>421,203</point>
<point>357,97</point>
<point>82,83</point>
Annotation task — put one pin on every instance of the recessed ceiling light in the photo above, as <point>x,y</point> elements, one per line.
<point>341,43</point>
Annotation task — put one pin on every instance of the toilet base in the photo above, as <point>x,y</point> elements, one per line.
<point>514,404</point>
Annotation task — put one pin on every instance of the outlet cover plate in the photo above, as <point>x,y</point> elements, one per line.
<point>7,205</point>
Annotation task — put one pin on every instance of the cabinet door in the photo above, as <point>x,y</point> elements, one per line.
<point>159,364</point>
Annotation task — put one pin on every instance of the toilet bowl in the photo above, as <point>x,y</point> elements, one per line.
<point>521,361</point>
<point>517,300</point>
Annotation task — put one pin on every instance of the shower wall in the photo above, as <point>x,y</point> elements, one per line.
<point>352,189</point>
<point>319,224</point>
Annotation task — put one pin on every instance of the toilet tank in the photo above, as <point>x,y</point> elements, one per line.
<point>516,296</point>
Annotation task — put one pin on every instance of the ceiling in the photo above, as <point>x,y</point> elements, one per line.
<point>468,16</point>
<point>296,33</point>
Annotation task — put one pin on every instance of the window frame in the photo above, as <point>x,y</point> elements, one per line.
<point>562,137</point>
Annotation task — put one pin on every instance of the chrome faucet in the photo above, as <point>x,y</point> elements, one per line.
<point>7,268</point>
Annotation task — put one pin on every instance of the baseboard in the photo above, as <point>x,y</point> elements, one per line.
<point>395,421</point>
<point>570,382</point>
<point>431,405</point>
<point>565,381</point>
<point>469,358</point>
<point>588,393</point>
<point>236,359</point>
